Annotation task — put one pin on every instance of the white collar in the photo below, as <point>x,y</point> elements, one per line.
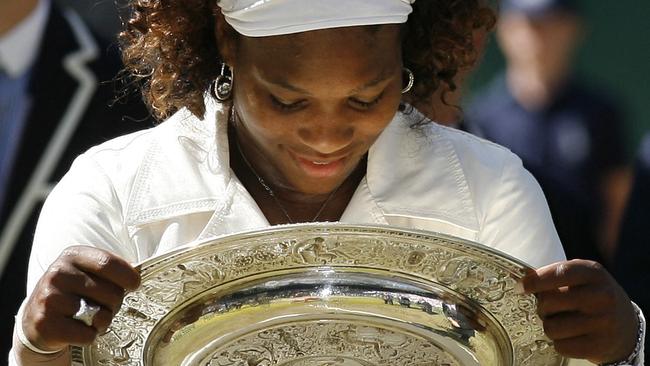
<point>19,47</point>
<point>404,149</point>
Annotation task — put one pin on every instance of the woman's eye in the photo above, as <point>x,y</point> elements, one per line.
<point>286,106</point>
<point>366,104</point>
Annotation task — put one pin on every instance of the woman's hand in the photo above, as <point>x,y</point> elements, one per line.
<point>584,310</point>
<point>95,275</point>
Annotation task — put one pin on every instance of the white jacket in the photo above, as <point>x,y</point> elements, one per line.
<point>144,194</point>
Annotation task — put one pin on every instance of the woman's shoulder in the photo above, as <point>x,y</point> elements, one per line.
<point>135,145</point>
<point>471,148</point>
<point>180,140</point>
<point>177,161</point>
<point>437,174</point>
<point>420,167</point>
<point>469,153</point>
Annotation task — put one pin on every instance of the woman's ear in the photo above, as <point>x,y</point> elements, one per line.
<point>226,38</point>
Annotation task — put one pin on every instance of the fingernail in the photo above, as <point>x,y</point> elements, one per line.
<point>518,288</point>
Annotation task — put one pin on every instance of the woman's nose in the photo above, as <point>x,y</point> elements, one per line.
<point>327,135</point>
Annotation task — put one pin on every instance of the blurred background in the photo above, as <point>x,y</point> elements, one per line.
<point>614,54</point>
<point>101,14</point>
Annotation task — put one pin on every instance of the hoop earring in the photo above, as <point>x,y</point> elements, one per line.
<point>223,84</point>
<point>411,81</point>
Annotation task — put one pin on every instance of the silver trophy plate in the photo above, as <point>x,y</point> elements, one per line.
<point>326,295</point>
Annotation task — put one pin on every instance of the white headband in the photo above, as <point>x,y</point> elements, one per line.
<point>261,18</point>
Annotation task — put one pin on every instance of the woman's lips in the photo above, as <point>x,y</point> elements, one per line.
<point>321,168</point>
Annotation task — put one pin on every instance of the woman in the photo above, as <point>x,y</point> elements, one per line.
<point>304,123</point>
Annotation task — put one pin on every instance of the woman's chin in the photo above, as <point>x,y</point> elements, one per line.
<point>317,189</point>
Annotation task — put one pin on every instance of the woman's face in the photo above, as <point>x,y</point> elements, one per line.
<point>309,106</point>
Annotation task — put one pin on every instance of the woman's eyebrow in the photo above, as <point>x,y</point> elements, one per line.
<point>285,85</point>
<point>383,76</point>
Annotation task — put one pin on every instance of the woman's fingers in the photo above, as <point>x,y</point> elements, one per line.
<point>102,320</point>
<point>593,347</point>
<point>104,265</point>
<point>74,281</point>
<point>588,299</point>
<point>580,303</point>
<point>576,272</point>
<point>48,322</point>
<point>59,304</point>
<point>582,347</point>
<point>57,331</point>
<point>97,276</point>
<point>571,325</point>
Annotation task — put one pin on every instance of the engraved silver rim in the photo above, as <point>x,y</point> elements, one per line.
<point>217,264</point>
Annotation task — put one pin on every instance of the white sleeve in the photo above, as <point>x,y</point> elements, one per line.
<point>517,219</point>
<point>83,209</point>
<point>12,358</point>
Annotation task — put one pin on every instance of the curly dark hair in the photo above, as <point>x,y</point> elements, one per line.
<point>169,48</point>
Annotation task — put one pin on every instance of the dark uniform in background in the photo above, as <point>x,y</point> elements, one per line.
<point>70,96</point>
<point>569,146</point>
<point>569,135</point>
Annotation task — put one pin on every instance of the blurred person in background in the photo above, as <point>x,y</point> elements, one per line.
<point>54,104</point>
<point>633,251</point>
<point>568,135</point>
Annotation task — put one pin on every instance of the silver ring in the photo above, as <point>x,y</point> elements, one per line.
<point>86,313</point>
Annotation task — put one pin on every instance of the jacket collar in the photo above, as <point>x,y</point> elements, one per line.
<point>422,156</point>
<point>185,169</point>
<point>426,158</point>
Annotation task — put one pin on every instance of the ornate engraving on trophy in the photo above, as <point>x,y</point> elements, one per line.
<point>330,343</point>
<point>466,271</point>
